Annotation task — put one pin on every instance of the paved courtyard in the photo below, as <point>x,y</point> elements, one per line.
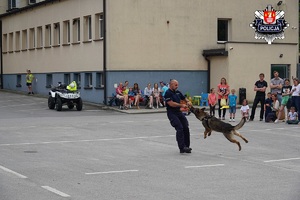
<point>105,154</point>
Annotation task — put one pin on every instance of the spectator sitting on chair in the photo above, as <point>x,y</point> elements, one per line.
<point>131,96</point>
<point>121,96</point>
<point>148,92</point>
<point>138,94</point>
<point>163,91</point>
<point>156,94</point>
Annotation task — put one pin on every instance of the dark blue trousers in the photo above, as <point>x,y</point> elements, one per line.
<point>181,125</point>
<point>296,104</point>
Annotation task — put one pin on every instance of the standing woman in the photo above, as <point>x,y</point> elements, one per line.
<point>223,91</point>
<point>296,94</point>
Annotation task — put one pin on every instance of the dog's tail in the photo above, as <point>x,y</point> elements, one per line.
<point>241,124</point>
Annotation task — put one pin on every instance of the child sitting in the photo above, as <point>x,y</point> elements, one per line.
<point>245,109</point>
<point>292,116</point>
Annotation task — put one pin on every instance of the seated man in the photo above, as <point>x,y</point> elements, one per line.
<point>121,96</point>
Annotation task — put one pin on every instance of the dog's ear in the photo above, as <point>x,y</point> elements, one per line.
<point>202,109</point>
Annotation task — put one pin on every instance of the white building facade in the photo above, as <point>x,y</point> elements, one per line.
<point>101,43</point>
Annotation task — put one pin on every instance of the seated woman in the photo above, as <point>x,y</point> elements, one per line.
<point>149,95</point>
<point>271,117</point>
<point>157,95</point>
<point>138,95</point>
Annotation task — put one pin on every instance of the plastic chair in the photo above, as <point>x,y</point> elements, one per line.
<point>196,100</point>
<point>204,99</point>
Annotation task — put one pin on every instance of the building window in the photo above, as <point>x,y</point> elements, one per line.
<point>76,30</point>
<point>77,79</point>
<point>17,41</point>
<point>66,32</point>
<point>87,28</point>
<point>49,80</point>
<point>13,4</point>
<point>31,38</point>
<point>99,26</point>
<point>99,80</point>
<point>88,80</point>
<point>67,79</point>
<point>223,30</point>
<point>24,39</point>
<point>56,34</point>
<point>48,41</point>
<point>4,43</point>
<point>19,81</point>
<point>39,37</point>
<point>10,42</point>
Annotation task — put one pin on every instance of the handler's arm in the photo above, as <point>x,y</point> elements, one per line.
<point>174,104</point>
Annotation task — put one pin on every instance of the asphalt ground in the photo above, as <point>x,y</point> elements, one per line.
<point>105,154</point>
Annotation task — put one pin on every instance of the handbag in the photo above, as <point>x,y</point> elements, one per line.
<point>223,102</point>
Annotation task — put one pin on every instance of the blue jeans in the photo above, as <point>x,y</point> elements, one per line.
<point>181,125</point>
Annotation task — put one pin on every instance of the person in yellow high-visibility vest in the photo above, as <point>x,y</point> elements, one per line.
<point>72,86</point>
<point>29,79</point>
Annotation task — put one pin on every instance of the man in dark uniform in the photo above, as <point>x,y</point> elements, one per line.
<point>260,88</point>
<point>177,118</point>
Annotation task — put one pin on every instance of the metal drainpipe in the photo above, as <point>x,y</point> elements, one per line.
<point>1,57</point>
<point>208,74</point>
<point>104,53</point>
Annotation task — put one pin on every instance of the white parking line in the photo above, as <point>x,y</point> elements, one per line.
<point>280,160</point>
<point>200,166</point>
<point>76,141</point>
<point>55,191</point>
<point>112,172</point>
<point>12,172</point>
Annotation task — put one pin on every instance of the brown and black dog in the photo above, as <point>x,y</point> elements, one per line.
<point>211,123</point>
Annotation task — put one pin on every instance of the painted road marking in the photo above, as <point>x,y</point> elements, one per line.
<point>12,172</point>
<point>75,141</point>
<point>200,166</point>
<point>55,191</point>
<point>112,172</point>
<point>280,160</point>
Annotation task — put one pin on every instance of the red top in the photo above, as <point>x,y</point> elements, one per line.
<point>223,89</point>
<point>212,98</point>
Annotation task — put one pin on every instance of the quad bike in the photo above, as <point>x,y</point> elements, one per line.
<point>60,95</point>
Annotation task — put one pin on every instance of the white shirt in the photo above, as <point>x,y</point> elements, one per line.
<point>296,92</point>
<point>147,91</point>
<point>293,116</point>
<point>244,108</point>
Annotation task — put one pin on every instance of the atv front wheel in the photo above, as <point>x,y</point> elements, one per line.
<point>58,104</point>
<point>51,103</point>
<point>79,104</point>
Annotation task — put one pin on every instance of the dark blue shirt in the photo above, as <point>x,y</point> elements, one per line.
<point>174,96</point>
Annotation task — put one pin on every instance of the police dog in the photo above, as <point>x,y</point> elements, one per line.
<point>211,123</point>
